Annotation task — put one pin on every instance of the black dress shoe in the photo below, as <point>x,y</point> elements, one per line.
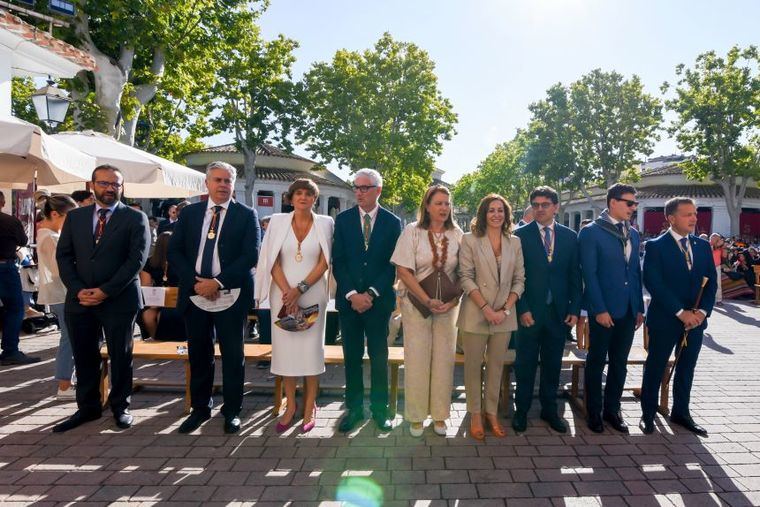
<point>689,424</point>
<point>75,420</point>
<point>519,422</point>
<point>646,426</point>
<point>351,420</point>
<point>231,424</point>
<point>123,420</point>
<point>382,421</point>
<point>193,421</point>
<point>18,357</point>
<point>555,422</point>
<point>616,422</point>
<point>594,423</point>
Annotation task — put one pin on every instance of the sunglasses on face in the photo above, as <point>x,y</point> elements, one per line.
<point>630,203</point>
<point>363,188</point>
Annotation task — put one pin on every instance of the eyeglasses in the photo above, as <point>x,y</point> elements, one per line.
<point>363,188</point>
<point>106,184</point>
<point>630,203</point>
<point>542,205</point>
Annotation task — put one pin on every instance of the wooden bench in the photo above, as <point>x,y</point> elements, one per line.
<point>177,351</point>
<point>756,268</point>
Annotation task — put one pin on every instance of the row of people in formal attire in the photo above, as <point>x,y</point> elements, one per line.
<point>483,285</point>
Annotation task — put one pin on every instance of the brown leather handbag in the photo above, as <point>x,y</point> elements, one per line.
<point>436,285</point>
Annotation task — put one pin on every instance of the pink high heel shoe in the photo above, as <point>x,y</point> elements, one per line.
<point>281,428</point>
<point>308,426</point>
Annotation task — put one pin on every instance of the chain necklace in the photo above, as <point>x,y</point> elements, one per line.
<point>439,261</point>
<point>297,233</point>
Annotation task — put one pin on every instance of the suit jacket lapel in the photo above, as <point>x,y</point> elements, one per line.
<point>488,255</point>
<point>379,224</point>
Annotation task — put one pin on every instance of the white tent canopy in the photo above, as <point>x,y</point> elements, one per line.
<point>145,175</point>
<point>25,150</point>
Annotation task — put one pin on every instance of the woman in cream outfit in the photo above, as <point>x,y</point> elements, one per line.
<point>492,275</point>
<point>292,272</point>
<point>429,343</point>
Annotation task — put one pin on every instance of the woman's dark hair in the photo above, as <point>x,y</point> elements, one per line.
<point>423,217</point>
<point>479,224</point>
<point>159,258</point>
<point>60,203</point>
<point>305,184</point>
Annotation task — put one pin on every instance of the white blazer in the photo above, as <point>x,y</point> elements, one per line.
<point>279,225</point>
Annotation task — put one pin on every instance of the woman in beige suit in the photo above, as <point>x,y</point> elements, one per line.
<point>492,275</point>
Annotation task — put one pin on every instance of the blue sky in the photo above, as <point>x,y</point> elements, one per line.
<point>493,58</point>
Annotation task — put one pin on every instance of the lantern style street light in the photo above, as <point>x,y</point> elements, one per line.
<point>51,104</point>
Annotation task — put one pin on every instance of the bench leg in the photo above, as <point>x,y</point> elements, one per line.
<point>277,396</point>
<point>104,382</point>
<point>575,391</point>
<point>665,392</point>
<point>393,394</point>
<point>188,400</point>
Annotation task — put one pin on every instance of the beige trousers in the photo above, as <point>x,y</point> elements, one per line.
<point>492,348</point>
<point>429,348</point>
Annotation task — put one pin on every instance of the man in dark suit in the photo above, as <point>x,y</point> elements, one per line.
<point>102,249</point>
<point>674,265</point>
<point>365,237</point>
<point>549,306</point>
<point>214,246</point>
<point>172,215</point>
<point>609,249</point>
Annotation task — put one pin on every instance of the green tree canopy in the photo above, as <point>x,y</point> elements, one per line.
<point>717,104</point>
<point>380,108</point>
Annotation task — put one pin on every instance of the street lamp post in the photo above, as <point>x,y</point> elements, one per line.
<point>51,104</point>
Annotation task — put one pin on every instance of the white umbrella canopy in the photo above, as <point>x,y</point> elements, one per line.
<point>145,174</point>
<point>26,151</point>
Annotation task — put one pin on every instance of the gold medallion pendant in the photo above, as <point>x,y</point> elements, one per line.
<point>211,235</point>
<point>299,255</point>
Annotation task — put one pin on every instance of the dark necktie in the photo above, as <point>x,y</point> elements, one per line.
<point>208,248</point>
<point>685,249</point>
<point>549,254</point>
<point>101,225</point>
<point>367,230</point>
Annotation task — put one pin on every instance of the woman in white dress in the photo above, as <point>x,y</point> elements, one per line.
<point>292,273</point>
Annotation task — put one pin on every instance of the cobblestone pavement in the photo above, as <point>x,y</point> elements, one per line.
<point>150,463</point>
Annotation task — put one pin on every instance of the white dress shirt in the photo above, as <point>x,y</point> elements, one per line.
<point>628,246</point>
<point>216,267</point>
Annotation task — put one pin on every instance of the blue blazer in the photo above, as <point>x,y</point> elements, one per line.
<point>238,246</point>
<point>612,282</point>
<point>672,286</point>
<point>358,269</point>
<point>562,276</point>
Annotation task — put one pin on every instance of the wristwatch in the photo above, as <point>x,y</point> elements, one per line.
<point>303,286</point>
<point>507,311</point>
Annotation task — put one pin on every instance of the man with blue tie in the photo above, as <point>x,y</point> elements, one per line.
<point>609,249</point>
<point>365,237</point>
<point>674,266</point>
<point>549,306</point>
<point>214,246</point>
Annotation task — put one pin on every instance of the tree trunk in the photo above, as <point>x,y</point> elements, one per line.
<point>249,172</point>
<point>733,193</point>
<point>144,93</point>
<point>110,77</point>
<point>78,94</point>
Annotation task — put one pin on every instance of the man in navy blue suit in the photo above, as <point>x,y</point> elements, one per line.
<point>674,266</point>
<point>549,306</point>
<point>365,237</point>
<point>214,246</point>
<point>609,249</point>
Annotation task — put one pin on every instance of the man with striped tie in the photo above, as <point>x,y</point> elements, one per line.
<point>674,266</point>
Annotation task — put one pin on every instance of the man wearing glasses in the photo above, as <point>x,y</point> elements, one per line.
<point>609,249</point>
<point>102,249</point>
<point>548,308</point>
<point>365,237</point>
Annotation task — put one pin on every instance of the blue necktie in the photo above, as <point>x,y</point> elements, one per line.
<point>549,255</point>
<point>208,249</point>
<point>685,249</point>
